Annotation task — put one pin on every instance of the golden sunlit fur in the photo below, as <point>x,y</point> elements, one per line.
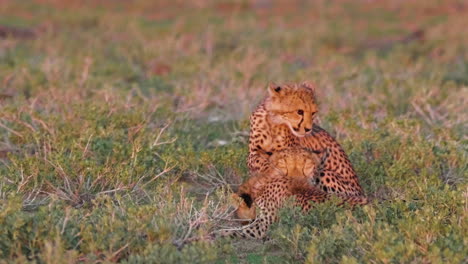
<point>290,175</point>
<point>264,194</point>
<point>295,163</point>
<point>292,105</point>
<point>285,119</point>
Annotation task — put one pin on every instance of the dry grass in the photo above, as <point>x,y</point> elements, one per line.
<point>123,126</point>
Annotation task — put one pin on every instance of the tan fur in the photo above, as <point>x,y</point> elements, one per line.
<point>244,211</point>
<point>289,175</point>
<point>281,121</point>
<point>282,139</point>
<point>296,163</point>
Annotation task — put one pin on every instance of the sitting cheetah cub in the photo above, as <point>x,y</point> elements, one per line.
<point>285,119</point>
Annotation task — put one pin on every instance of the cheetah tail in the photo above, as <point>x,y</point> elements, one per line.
<point>354,200</point>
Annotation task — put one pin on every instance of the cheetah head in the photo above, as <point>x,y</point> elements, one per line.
<point>293,105</point>
<point>295,163</point>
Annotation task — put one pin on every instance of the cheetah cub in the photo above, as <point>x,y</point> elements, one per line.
<point>285,119</point>
<point>289,175</point>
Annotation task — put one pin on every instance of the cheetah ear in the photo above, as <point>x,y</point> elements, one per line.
<point>309,85</point>
<point>274,89</point>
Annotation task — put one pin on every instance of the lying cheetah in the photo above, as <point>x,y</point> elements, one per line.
<point>285,119</point>
<point>297,163</point>
<point>289,175</point>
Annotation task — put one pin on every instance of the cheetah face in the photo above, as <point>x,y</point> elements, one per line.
<point>292,105</point>
<point>295,163</point>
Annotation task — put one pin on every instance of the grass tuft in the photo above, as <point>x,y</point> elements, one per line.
<point>124,127</point>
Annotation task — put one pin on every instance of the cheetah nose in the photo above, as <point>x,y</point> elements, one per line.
<point>307,129</point>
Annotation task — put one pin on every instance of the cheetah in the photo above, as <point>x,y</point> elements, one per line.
<point>295,163</point>
<point>285,119</point>
<point>289,175</point>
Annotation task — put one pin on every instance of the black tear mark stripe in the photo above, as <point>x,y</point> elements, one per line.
<point>302,120</point>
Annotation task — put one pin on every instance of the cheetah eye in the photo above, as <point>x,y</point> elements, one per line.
<point>300,112</point>
<point>277,89</point>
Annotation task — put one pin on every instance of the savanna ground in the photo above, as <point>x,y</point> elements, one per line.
<point>123,127</point>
